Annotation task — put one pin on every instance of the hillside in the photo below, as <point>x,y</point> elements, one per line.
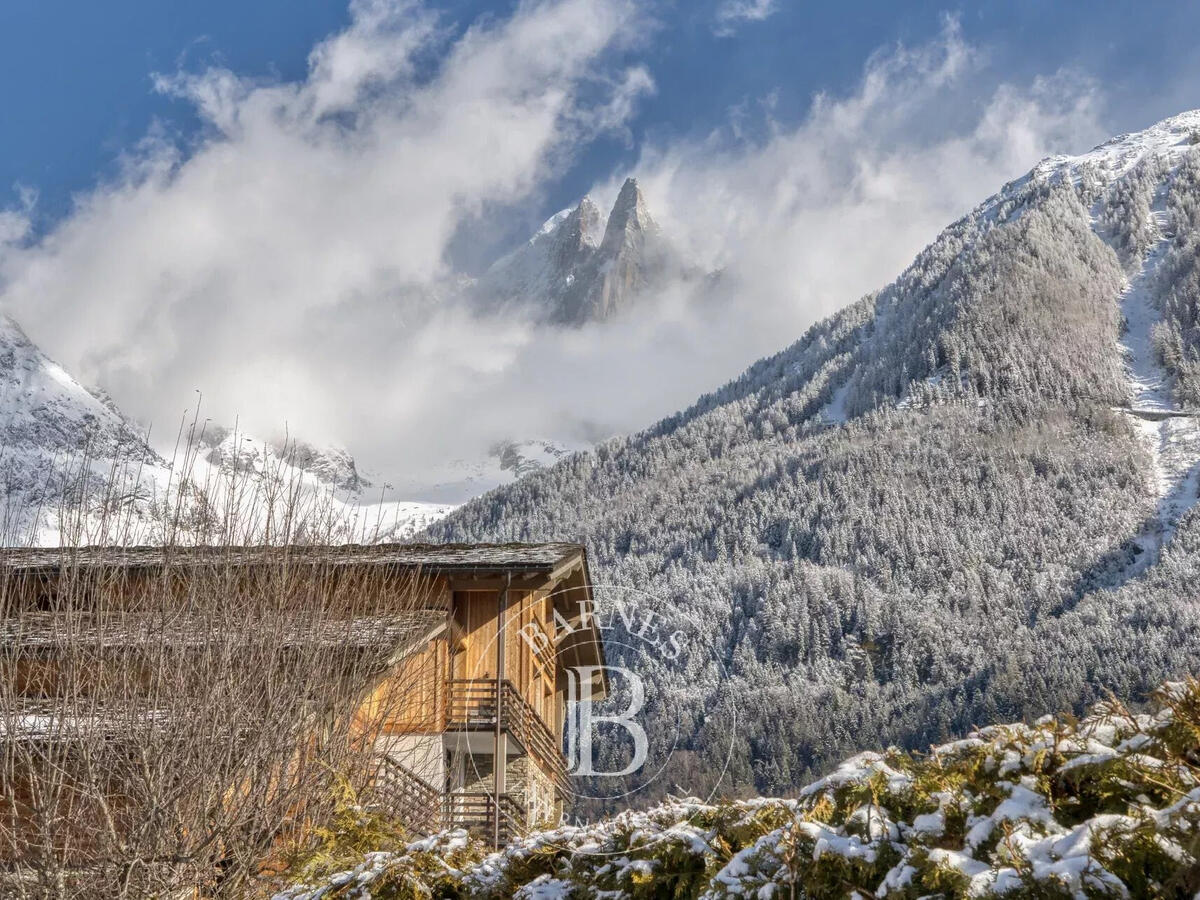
<point>56,436</point>
<point>967,497</point>
<point>1104,807</point>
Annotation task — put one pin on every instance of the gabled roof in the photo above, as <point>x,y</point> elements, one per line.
<point>561,567</point>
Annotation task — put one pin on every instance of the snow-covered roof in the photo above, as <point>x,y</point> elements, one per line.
<point>44,722</point>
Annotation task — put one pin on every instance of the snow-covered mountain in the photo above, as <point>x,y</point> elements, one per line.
<point>74,467</point>
<point>351,505</point>
<point>57,436</point>
<point>459,478</point>
<point>333,467</point>
<point>577,270</point>
<point>968,496</point>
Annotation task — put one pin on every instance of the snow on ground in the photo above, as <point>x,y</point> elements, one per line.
<point>1149,384</point>
<point>251,488</point>
<point>834,412</point>
<point>1171,436</point>
<point>1118,156</point>
<point>370,512</point>
<point>398,519</point>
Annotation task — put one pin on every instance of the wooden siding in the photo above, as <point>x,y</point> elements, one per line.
<point>533,673</point>
<point>412,696</point>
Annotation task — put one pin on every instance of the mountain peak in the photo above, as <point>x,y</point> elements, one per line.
<point>630,195</point>
<point>628,213</point>
<point>584,224</point>
<point>1171,138</point>
<point>579,267</point>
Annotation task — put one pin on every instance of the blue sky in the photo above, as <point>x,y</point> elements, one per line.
<point>275,204</point>
<point>76,88</point>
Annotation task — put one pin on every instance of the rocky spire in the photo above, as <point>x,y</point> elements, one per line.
<point>578,267</point>
<point>577,235</point>
<point>629,220</point>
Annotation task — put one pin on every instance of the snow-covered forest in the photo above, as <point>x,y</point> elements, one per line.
<point>953,502</point>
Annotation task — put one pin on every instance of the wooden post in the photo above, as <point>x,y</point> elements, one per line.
<point>500,756</point>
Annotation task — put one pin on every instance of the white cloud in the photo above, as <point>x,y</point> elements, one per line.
<point>15,224</point>
<point>293,266</point>
<point>821,213</point>
<point>285,265</point>
<point>731,13</point>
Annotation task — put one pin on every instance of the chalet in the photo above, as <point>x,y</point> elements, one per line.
<point>452,666</point>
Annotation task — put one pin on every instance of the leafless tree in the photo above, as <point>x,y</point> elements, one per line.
<point>170,728</point>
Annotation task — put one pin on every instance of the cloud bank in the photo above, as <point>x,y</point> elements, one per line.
<point>292,265</point>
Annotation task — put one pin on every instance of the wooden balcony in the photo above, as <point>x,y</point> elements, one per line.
<point>472,707</point>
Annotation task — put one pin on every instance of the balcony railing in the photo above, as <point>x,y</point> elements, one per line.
<point>476,812</point>
<point>407,796</point>
<point>403,794</point>
<point>472,707</point>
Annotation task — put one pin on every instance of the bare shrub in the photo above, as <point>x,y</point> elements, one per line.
<point>176,720</point>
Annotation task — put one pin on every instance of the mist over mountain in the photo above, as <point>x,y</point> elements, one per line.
<point>578,269</point>
<point>301,262</point>
<point>60,436</point>
<point>969,496</point>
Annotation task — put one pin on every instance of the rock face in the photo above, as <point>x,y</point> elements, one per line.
<point>330,467</point>
<point>572,272</point>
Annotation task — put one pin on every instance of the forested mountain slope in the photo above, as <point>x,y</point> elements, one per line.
<point>969,497</point>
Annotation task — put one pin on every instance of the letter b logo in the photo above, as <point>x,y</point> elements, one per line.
<point>582,720</point>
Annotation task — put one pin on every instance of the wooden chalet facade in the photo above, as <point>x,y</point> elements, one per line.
<point>462,699</point>
<point>491,685</point>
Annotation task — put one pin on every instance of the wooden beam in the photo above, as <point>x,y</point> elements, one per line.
<point>517,581</point>
<point>500,751</point>
<point>526,582</point>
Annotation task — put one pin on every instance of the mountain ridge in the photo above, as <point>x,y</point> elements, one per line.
<point>74,467</point>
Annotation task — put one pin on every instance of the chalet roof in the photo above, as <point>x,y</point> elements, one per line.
<point>395,633</point>
<point>476,565</point>
<point>448,558</point>
<point>384,639</point>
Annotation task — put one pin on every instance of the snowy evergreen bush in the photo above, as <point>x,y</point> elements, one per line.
<point>1106,806</point>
